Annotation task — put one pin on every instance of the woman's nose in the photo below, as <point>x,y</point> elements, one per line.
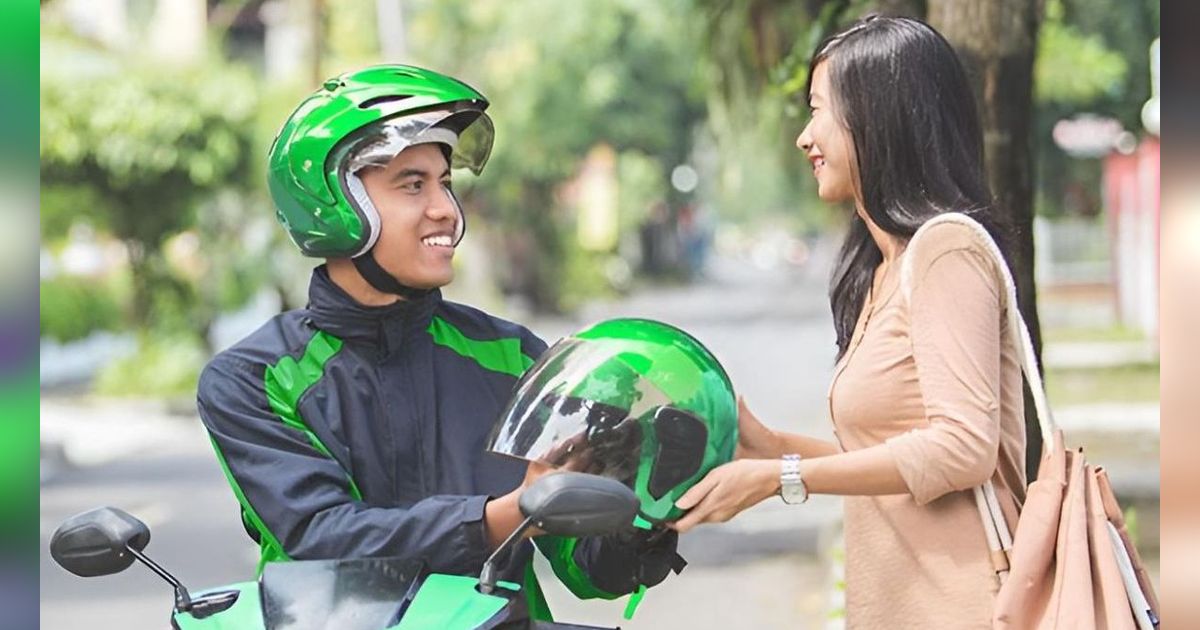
<point>804,141</point>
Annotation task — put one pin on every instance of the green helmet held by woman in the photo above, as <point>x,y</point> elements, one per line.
<point>632,399</point>
<point>360,119</point>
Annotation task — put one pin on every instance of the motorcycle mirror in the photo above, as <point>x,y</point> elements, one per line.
<point>578,504</point>
<point>98,542</point>
<point>567,504</point>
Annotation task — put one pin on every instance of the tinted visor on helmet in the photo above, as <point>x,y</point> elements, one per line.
<point>466,129</point>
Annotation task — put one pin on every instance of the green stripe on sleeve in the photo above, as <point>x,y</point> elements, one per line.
<point>287,381</point>
<point>270,549</point>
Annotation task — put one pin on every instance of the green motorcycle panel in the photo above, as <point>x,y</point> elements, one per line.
<point>450,602</point>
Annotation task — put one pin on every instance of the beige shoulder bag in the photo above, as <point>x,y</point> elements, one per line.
<point>1070,562</point>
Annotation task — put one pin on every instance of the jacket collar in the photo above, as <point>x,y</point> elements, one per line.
<point>334,311</point>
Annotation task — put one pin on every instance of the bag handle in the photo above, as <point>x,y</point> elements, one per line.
<point>995,524</point>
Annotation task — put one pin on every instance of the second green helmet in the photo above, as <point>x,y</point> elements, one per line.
<point>360,119</point>
<point>635,400</point>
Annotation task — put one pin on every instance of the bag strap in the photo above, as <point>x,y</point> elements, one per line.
<point>995,524</point>
<point>1022,340</point>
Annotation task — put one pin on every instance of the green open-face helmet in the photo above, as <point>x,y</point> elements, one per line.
<point>361,119</point>
<point>635,400</point>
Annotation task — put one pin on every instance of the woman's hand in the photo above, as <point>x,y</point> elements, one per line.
<point>728,490</point>
<point>755,440</point>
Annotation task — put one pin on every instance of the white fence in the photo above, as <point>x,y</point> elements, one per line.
<point>1072,251</point>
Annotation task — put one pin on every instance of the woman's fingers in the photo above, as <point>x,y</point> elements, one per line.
<point>701,500</point>
<point>697,515</point>
<point>727,491</point>
<point>711,509</point>
<point>697,492</point>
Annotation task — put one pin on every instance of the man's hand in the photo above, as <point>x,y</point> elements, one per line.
<point>573,454</point>
<point>728,490</point>
<point>502,515</point>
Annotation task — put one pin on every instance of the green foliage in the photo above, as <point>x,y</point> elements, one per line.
<point>162,366</point>
<point>1133,383</point>
<point>618,73</point>
<point>63,205</point>
<point>143,130</point>
<point>584,278</point>
<point>642,182</point>
<point>1074,68</point>
<point>138,146</point>
<point>73,308</point>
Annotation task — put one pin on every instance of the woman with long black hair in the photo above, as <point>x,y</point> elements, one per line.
<point>926,399</point>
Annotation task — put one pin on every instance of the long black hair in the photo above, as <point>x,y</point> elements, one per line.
<point>901,91</point>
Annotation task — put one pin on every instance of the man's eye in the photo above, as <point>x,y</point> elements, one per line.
<point>449,185</point>
<point>412,186</point>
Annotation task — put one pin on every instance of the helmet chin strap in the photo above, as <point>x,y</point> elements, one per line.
<point>378,277</point>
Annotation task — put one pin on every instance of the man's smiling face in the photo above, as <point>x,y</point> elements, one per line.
<point>418,216</point>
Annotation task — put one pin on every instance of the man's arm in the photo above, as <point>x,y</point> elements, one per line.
<point>305,505</point>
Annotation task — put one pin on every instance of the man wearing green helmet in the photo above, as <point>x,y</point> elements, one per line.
<point>357,426</point>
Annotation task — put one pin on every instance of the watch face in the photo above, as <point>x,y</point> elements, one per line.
<point>793,493</point>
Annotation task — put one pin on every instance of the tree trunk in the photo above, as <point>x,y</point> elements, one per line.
<point>997,42</point>
<point>901,8</point>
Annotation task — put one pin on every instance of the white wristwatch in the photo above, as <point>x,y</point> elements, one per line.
<point>791,487</point>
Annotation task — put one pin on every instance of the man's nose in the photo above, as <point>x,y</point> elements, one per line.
<point>443,205</point>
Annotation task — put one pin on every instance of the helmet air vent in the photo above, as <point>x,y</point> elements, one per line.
<point>380,100</point>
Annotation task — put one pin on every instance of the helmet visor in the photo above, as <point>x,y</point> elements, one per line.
<point>466,130</point>
<point>583,407</point>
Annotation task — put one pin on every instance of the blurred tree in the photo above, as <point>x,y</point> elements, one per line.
<point>756,56</point>
<point>1092,57</point>
<point>143,145</point>
<point>620,73</point>
<point>73,308</point>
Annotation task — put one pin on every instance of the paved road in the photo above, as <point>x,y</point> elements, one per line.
<point>770,329</point>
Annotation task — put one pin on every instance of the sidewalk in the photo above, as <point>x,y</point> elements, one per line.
<point>81,431</point>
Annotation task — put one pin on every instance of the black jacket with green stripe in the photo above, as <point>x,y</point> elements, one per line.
<point>349,431</point>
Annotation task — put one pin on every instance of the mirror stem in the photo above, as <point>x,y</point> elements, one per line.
<point>183,602</point>
<point>487,577</point>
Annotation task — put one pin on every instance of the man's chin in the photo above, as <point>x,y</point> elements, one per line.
<point>434,281</point>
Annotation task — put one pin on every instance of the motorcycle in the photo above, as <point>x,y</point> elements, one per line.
<point>358,593</point>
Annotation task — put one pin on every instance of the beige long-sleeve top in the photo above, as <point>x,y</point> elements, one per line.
<point>936,378</point>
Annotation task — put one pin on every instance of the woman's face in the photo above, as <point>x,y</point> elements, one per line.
<point>827,143</point>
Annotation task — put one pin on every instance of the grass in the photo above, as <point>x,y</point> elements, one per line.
<point>1124,384</point>
<point>1105,334</point>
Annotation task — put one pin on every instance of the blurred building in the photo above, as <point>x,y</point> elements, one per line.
<point>1110,259</point>
<point>1131,196</point>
